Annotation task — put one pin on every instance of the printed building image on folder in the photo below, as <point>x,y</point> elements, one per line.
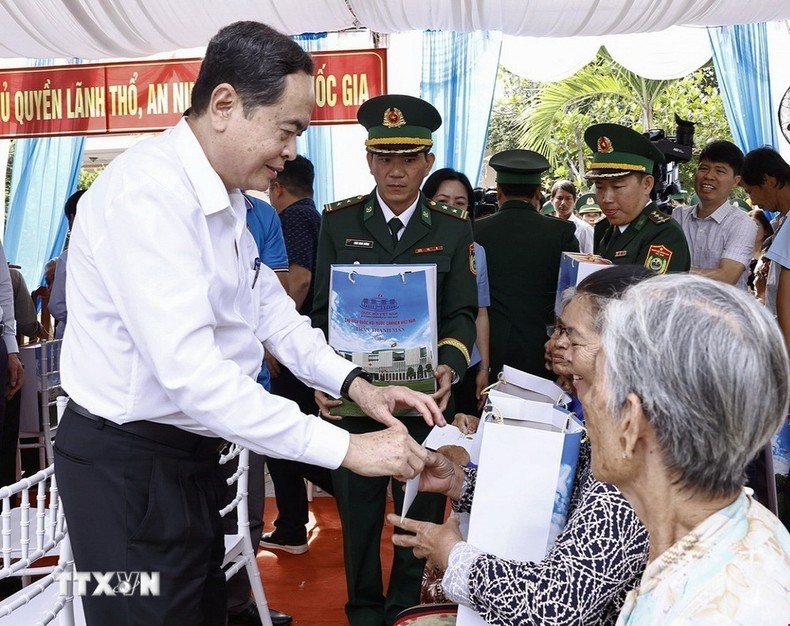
<point>383,319</point>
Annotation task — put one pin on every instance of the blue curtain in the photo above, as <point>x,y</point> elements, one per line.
<point>459,72</point>
<point>740,58</point>
<point>316,143</point>
<point>45,173</point>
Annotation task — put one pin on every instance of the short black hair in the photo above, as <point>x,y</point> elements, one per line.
<point>518,190</point>
<point>723,152</point>
<point>254,59</point>
<point>763,162</point>
<point>297,176</point>
<point>70,208</point>
<point>566,186</point>
<point>433,182</point>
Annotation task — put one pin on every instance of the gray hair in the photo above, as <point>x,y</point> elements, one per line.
<point>711,369</point>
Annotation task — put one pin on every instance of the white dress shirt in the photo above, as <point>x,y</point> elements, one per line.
<point>403,217</point>
<point>584,233</point>
<point>164,322</point>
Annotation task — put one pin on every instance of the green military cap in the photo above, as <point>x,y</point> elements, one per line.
<point>548,208</point>
<point>619,151</point>
<point>741,204</point>
<point>694,199</point>
<point>587,203</point>
<point>680,197</point>
<point>398,124</point>
<point>518,167</point>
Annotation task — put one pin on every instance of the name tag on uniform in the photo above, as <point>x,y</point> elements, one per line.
<point>428,249</point>
<point>620,253</point>
<point>358,243</point>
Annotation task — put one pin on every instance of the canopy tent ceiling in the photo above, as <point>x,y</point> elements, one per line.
<point>94,29</point>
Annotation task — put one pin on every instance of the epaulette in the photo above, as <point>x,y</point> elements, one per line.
<point>657,217</point>
<point>344,204</point>
<point>448,210</point>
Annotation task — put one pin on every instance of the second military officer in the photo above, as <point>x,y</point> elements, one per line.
<point>523,250</point>
<point>637,232</point>
<point>395,223</point>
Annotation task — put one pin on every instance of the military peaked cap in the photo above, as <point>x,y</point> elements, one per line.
<point>619,151</point>
<point>518,167</point>
<point>398,124</point>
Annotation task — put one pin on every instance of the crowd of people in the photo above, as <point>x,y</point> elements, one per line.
<point>198,314</point>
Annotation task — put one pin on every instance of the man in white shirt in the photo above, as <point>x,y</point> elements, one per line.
<point>169,306</point>
<point>563,197</point>
<point>720,236</point>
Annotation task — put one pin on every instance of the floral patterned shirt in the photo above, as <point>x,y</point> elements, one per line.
<point>596,559</point>
<point>734,568</point>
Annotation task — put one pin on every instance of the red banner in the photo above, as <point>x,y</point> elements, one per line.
<point>95,99</point>
<point>150,96</point>
<point>343,80</point>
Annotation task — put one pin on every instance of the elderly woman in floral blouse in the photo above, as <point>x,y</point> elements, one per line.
<point>602,550</point>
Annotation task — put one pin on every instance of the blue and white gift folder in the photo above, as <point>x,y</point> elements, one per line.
<point>527,449</point>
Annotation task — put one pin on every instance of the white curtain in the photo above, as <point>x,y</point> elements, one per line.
<point>674,52</point>
<point>94,29</point>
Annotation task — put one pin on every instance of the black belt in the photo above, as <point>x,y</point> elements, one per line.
<point>164,434</point>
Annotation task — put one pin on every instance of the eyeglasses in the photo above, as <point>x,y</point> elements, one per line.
<point>560,329</point>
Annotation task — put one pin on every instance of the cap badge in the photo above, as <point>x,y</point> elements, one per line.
<point>591,200</point>
<point>393,118</point>
<point>605,145</point>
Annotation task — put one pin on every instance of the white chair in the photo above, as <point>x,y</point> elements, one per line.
<point>30,532</point>
<point>38,419</point>
<point>239,551</point>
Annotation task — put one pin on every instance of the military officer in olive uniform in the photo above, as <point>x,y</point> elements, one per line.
<point>396,223</point>
<point>523,251</point>
<point>637,232</point>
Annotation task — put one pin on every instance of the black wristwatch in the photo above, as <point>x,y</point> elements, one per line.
<point>357,372</point>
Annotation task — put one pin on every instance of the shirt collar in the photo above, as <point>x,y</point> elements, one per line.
<point>403,217</point>
<point>718,215</point>
<point>209,188</point>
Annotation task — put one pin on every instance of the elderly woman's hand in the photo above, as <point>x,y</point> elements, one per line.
<point>326,404</point>
<point>441,475</point>
<point>431,541</point>
<point>466,423</point>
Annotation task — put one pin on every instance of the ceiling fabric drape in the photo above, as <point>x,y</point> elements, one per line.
<point>98,29</point>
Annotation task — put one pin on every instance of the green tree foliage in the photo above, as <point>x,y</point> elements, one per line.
<point>551,117</point>
<point>88,176</point>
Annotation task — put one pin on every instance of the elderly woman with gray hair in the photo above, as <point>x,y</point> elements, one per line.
<point>690,382</point>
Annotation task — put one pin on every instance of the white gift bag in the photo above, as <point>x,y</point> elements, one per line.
<point>528,451</point>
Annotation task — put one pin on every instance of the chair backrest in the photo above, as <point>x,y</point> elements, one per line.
<point>31,521</point>
<point>241,479</point>
<point>41,385</point>
<point>33,526</point>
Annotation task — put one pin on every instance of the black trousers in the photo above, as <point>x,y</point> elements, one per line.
<point>134,504</point>
<point>288,476</point>
<point>291,495</point>
<point>9,423</point>
<point>361,503</point>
